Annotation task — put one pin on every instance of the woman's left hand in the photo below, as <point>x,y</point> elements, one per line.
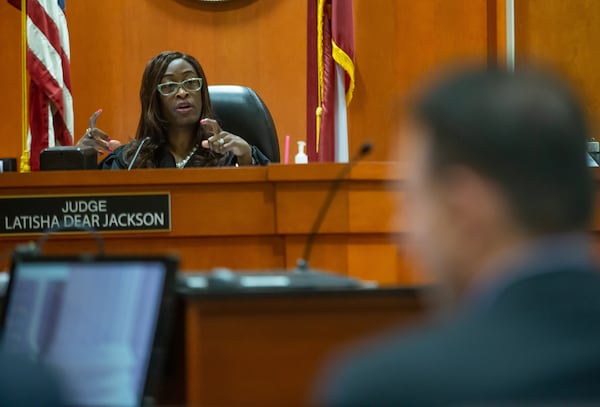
<point>222,142</point>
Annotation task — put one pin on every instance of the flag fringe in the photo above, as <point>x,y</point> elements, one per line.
<point>344,60</point>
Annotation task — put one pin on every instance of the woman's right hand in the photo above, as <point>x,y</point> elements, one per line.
<point>96,138</point>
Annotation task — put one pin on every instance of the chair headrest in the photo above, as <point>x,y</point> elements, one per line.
<point>241,111</point>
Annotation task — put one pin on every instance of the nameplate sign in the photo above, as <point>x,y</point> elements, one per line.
<point>110,212</point>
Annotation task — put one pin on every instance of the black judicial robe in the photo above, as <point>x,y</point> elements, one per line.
<point>116,160</point>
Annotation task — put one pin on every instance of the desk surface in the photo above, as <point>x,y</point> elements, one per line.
<point>275,172</point>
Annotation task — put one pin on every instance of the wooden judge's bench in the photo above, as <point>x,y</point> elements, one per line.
<point>256,348</point>
<point>246,218</point>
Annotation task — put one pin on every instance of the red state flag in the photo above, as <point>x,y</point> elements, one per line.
<point>331,52</point>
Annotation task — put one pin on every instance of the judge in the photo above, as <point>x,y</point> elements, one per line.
<point>176,127</point>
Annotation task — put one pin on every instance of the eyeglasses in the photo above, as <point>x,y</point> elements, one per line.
<point>171,88</point>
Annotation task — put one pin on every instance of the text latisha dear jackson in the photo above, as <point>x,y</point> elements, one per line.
<point>91,214</point>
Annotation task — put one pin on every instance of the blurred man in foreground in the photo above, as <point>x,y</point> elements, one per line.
<point>501,200</point>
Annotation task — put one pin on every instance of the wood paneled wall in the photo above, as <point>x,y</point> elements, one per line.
<point>262,44</point>
<point>565,35</point>
<point>10,81</point>
<point>398,44</point>
<point>257,43</point>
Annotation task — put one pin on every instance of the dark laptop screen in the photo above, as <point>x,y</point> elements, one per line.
<point>93,321</point>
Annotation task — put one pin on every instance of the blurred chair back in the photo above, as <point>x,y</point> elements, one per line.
<point>241,111</point>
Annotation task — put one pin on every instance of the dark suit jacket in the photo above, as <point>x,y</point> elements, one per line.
<point>538,341</point>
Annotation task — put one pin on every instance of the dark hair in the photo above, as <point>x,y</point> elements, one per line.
<point>524,131</point>
<point>152,124</point>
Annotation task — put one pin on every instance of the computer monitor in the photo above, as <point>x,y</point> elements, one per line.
<point>98,322</point>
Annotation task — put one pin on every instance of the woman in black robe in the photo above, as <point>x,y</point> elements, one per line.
<point>176,127</point>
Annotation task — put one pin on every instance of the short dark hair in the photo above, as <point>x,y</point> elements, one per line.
<point>525,131</point>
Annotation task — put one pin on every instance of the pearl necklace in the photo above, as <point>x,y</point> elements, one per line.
<point>182,163</point>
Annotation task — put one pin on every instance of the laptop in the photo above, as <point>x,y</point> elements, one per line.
<point>99,322</point>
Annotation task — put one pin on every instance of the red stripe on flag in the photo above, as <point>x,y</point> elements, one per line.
<point>48,27</point>
<point>312,99</point>
<point>327,136</point>
<point>45,83</point>
<point>46,93</point>
<point>38,124</point>
<point>40,75</point>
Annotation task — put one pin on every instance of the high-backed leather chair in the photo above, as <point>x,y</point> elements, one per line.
<point>239,110</point>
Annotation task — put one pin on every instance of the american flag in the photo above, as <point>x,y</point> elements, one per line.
<point>48,64</point>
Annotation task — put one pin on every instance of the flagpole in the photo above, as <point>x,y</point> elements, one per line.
<point>24,162</point>
<point>510,35</point>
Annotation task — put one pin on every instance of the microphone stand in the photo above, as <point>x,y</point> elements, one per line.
<point>302,265</point>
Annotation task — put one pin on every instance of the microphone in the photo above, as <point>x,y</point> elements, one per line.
<point>302,263</point>
<point>137,152</point>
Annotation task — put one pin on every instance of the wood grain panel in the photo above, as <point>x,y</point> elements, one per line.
<point>329,252</point>
<point>376,206</point>
<point>362,207</point>
<point>398,43</point>
<point>195,253</point>
<point>382,258</point>
<point>299,203</point>
<point>374,260</point>
<point>238,209</point>
<point>565,35</point>
<point>10,81</point>
<point>268,350</point>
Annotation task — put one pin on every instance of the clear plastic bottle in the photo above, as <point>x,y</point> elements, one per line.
<point>301,157</point>
<point>593,148</point>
